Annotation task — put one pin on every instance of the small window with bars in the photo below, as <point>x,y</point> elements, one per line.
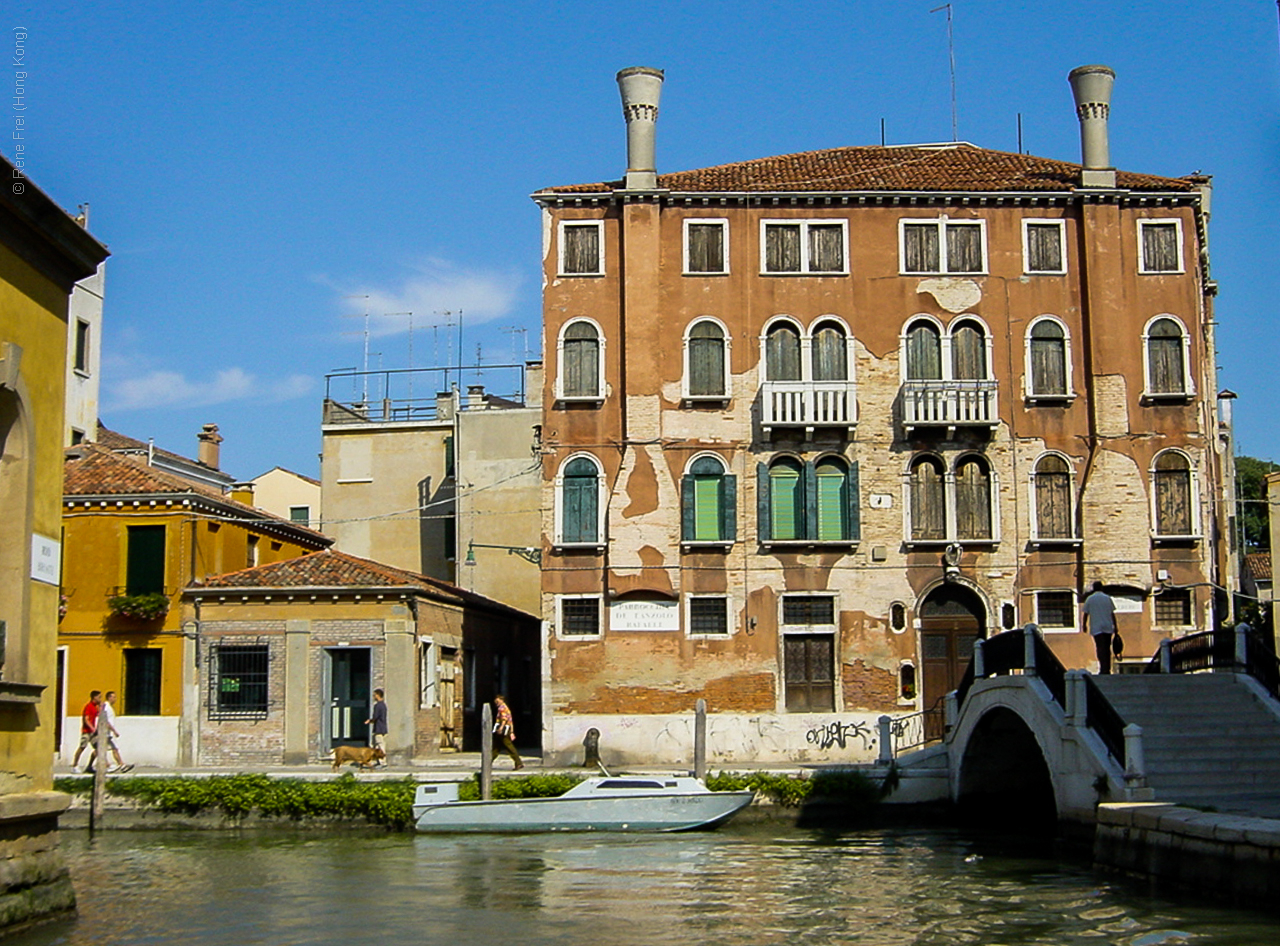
<point>582,248</point>
<point>709,616</point>
<point>238,681</point>
<point>809,610</point>
<point>1055,610</point>
<point>580,617</point>
<point>1173,608</point>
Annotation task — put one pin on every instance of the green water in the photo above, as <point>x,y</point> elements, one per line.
<point>740,885</point>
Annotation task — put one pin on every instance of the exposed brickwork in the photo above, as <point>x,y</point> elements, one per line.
<point>869,688</point>
<point>744,693</point>
<point>243,741</point>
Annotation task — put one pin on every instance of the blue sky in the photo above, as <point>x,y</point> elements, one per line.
<point>257,170</point>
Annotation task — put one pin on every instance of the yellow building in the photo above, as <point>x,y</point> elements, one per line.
<point>43,252</point>
<point>135,536</point>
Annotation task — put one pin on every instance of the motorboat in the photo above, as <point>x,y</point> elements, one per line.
<point>612,803</point>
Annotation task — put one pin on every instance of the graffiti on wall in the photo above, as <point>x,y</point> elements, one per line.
<point>838,734</point>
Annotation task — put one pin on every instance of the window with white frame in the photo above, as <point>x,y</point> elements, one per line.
<point>1168,359</point>
<point>579,505</point>
<point>708,616</point>
<point>1173,495</point>
<point>428,674</point>
<point>950,505</point>
<point>808,652</point>
<point>81,363</point>
<point>1173,608</point>
<point>1052,502</point>
<point>708,501</point>
<point>959,352</point>
<point>706,247</point>
<point>706,353</point>
<point>581,247</point>
<point>1056,610</point>
<point>942,246</point>
<point>782,351</point>
<point>829,351</point>
<point>578,615</point>
<point>1044,246</point>
<point>581,357</point>
<point>1048,360</point>
<point>1160,246</point>
<point>804,246</point>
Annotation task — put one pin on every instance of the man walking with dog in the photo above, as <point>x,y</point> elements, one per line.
<point>378,719</point>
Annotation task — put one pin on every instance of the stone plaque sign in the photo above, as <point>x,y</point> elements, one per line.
<point>46,556</point>
<point>644,616</point>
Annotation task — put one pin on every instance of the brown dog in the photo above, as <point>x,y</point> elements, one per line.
<point>362,756</point>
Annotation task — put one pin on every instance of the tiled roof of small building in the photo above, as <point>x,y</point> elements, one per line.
<point>114,440</point>
<point>955,166</point>
<point>331,569</point>
<point>1259,565</point>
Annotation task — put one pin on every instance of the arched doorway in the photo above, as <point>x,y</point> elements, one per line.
<point>952,617</point>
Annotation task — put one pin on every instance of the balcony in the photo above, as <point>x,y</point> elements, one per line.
<point>949,404</point>
<point>808,404</point>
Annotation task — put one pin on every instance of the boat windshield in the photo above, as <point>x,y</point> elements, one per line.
<point>634,783</point>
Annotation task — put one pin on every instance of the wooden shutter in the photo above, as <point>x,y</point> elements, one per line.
<point>729,508</point>
<point>707,508</point>
<point>1164,356</point>
<point>831,502</point>
<point>581,368</point>
<point>1053,499</point>
<point>1048,359</point>
<point>853,514</point>
<point>1160,248</point>
<point>688,508</point>
<point>830,354</point>
<point>144,569</point>
<point>928,501</point>
<point>782,248</point>
<point>973,501</point>
<point>581,249</point>
<point>1173,495</point>
<point>809,672</point>
<point>706,360</point>
<point>1044,248</point>
<point>786,493</point>
<point>782,353</point>
<point>826,248</point>
<point>920,248</point>
<point>964,248</point>
<point>764,503</point>
<point>580,502</point>
<point>968,353</point>
<point>924,352</point>
<point>706,248</point>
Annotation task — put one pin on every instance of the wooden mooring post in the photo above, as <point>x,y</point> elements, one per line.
<point>700,739</point>
<point>99,760</point>
<point>486,752</point>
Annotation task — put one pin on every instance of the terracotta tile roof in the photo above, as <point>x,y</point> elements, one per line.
<point>1259,565</point>
<point>950,167</point>
<point>114,440</point>
<point>331,569</point>
<point>93,469</point>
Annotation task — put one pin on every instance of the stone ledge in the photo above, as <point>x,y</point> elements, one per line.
<point>21,806</point>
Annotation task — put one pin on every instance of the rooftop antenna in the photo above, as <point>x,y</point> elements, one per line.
<point>388,315</point>
<point>951,51</point>
<point>882,120</point>
<point>1020,151</point>
<point>448,315</point>
<point>514,330</point>
<point>365,315</point>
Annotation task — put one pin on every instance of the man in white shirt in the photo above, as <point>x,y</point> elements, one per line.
<point>107,717</point>
<point>1100,621</point>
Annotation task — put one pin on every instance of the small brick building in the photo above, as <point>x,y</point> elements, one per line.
<point>290,653</point>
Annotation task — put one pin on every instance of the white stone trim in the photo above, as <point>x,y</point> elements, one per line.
<point>560,246</point>
<point>1187,377</point>
<point>560,635</point>
<point>1142,256</point>
<point>941,223</point>
<point>1061,225</point>
<point>600,362</point>
<point>804,224</point>
<point>601,497</point>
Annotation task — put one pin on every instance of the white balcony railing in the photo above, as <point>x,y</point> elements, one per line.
<point>808,404</point>
<point>949,404</point>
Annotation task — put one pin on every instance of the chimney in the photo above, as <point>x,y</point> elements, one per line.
<point>641,89</point>
<point>1091,86</point>
<point>209,450</point>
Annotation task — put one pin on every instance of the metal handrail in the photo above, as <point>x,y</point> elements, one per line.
<point>916,730</point>
<point>1102,718</point>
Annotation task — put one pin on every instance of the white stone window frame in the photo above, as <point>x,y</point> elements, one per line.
<point>1033,505</point>
<point>832,628</point>
<point>945,330</point>
<point>1142,253</point>
<point>904,700</point>
<point>560,600</point>
<point>561,244</point>
<point>949,501</point>
<point>906,617</point>
<point>1189,383</point>
<point>1191,613</point>
<point>728,617</point>
<point>723,222</point>
<point>941,223</point>
<point>804,224</point>
<point>598,397</point>
<point>602,494</point>
<point>724,471</point>
<point>728,349</point>
<point>428,673</point>
<point>1193,488</point>
<point>1073,627</point>
<point>1027,388</point>
<point>1027,224</point>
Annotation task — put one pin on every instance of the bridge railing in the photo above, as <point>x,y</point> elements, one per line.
<point>901,734</point>
<point>1102,718</point>
<point>1023,650</point>
<point>1233,650</point>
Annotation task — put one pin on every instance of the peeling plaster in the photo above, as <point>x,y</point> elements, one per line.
<point>952,293</point>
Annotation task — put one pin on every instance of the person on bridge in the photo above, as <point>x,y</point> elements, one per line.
<point>1100,621</point>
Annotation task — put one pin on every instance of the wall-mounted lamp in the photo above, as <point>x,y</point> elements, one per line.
<point>528,553</point>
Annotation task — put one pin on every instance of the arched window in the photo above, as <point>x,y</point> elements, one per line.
<point>782,352</point>
<point>973,499</point>
<point>1048,359</point>
<point>706,354</point>
<point>786,496</point>
<point>709,499</point>
<point>924,352</point>
<point>1166,358</point>
<point>833,503</point>
<point>580,502</point>
<point>1171,478</point>
<point>1053,499</point>
<point>830,353</point>
<point>580,361</point>
<point>968,352</point>
<point>928,500</point>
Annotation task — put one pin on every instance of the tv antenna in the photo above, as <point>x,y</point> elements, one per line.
<point>951,52</point>
<point>364,397</point>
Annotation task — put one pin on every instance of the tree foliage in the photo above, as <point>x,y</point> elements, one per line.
<point>1251,495</point>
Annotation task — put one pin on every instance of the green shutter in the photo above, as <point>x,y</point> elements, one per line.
<point>729,508</point>
<point>831,505</point>
<point>853,497</point>
<point>808,504</point>
<point>764,508</point>
<point>706,491</point>
<point>688,505</point>
<point>144,570</point>
<point>788,511</point>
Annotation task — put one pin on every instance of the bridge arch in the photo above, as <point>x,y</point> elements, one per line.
<point>1003,775</point>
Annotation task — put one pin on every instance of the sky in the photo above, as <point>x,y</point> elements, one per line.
<point>266,175</point>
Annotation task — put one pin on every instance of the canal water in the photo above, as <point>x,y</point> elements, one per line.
<point>748,885</point>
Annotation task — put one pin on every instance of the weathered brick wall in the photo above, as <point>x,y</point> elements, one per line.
<point>869,688</point>
<point>243,741</point>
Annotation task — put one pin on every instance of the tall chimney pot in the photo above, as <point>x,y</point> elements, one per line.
<point>1091,86</point>
<point>209,450</point>
<point>641,89</point>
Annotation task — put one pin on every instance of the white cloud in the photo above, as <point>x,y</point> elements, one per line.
<point>436,287</point>
<point>171,389</point>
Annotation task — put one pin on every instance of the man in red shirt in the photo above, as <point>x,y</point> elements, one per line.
<point>88,725</point>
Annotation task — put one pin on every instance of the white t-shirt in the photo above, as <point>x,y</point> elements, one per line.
<point>107,715</point>
<point>1101,612</point>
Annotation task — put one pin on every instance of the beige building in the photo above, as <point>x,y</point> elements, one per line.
<point>816,422</point>
<point>448,487</point>
<point>289,495</point>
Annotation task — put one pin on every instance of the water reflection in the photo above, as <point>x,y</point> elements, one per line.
<point>744,885</point>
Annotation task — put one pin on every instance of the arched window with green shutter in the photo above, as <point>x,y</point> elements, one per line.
<point>580,498</point>
<point>708,497</point>
<point>833,503</point>
<point>786,500</point>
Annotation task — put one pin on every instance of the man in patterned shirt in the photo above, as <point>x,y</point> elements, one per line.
<point>504,728</point>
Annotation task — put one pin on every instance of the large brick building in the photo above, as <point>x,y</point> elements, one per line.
<point>814,423</point>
